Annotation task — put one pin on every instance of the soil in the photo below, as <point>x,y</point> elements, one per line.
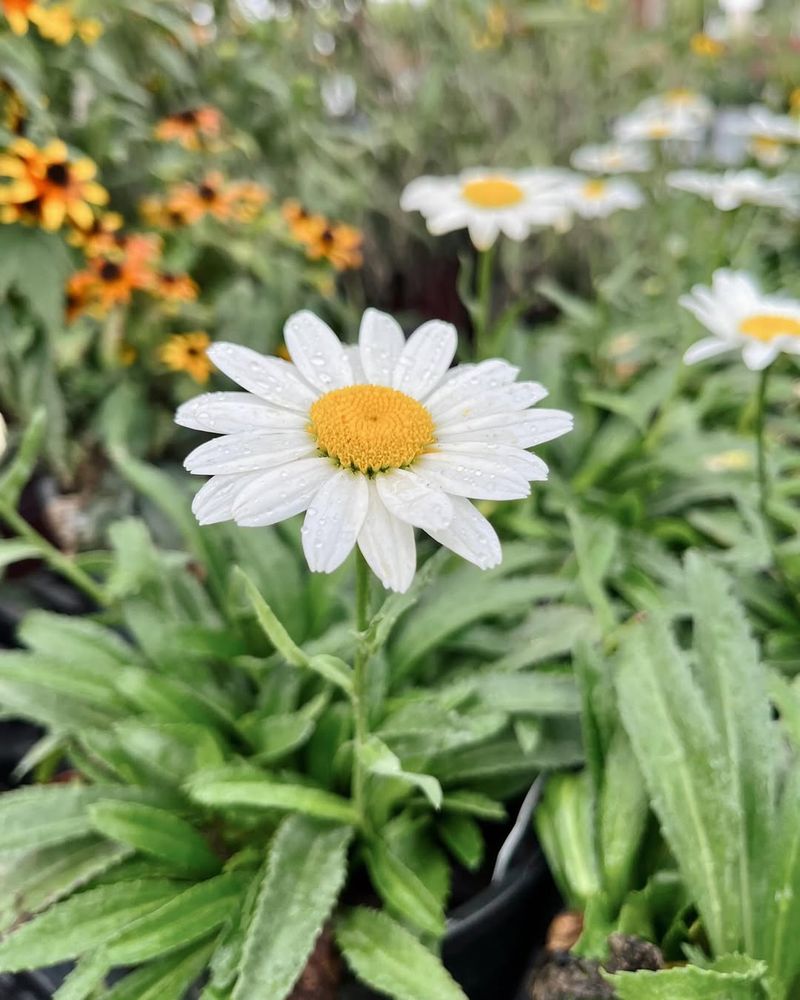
<point>323,973</point>
<point>560,975</point>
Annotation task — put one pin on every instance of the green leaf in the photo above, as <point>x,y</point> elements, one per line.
<point>84,979</point>
<point>402,890</point>
<point>463,837</point>
<point>12,551</point>
<point>79,680</point>
<point>220,788</point>
<point>388,958</point>
<point>167,978</point>
<point>379,760</point>
<point>564,823</point>
<point>82,923</point>
<point>595,547</point>
<point>682,758</point>
<point>330,667</point>
<point>540,693</point>
<point>735,683</point>
<point>37,879</point>
<point>182,920</point>
<point>473,804</point>
<point>157,832</point>
<point>77,641</point>
<point>20,469</point>
<point>690,982</point>
<point>305,873</point>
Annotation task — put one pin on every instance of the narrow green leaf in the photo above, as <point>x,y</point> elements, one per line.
<point>167,978</point>
<point>473,804</point>
<point>85,978</point>
<point>540,693</point>
<point>182,920</point>
<point>682,758</point>
<point>388,958</point>
<point>82,923</point>
<point>690,982</point>
<point>12,551</point>
<point>379,760</point>
<point>306,871</point>
<point>463,837</point>
<point>402,890</point>
<point>157,832</point>
<point>256,792</point>
<point>779,921</point>
<point>72,640</point>
<point>20,469</point>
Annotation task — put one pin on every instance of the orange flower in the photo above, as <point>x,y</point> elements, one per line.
<point>157,213</point>
<point>175,287</point>
<point>111,280</point>
<point>340,244</point>
<point>190,127</point>
<point>49,187</point>
<point>303,226</point>
<point>247,200</point>
<point>195,201</point>
<point>17,14</point>
<point>704,45</point>
<point>186,352</point>
<point>102,237</point>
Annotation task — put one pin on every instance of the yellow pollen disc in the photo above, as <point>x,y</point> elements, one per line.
<point>594,189</point>
<point>492,192</point>
<point>371,428</point>
<point>765,144</point>
<point>659,131</point>
<point>680,95</point>
<point>766,327</point>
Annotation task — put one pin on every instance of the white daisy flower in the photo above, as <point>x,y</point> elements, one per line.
<point>739,13</point>
<point>595,198</point>
<point>734,188</point>
<point>754,132</point>
<point>612,158</point>
<point>676,115</point>
<point>740,316</point>
<point>486,202</point>
<point>370,441</point>
<point>761,121</point>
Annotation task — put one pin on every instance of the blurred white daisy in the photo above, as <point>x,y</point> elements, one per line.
<point>596,198</point>
<point>370,441</point>
<point>739,13</point>
<point>676,115</point>
<point>735,188</point>
<point>487,202</point>
<point>754,132</point>
<point>759,120</point>
<point>741,317</point>
<point>612,158</point>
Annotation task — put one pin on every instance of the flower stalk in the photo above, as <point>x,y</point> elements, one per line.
<point>360,705</point>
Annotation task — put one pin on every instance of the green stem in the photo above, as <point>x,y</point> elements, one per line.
<point>54,558</point>
<point>360,704</point>
<point>483,322</point>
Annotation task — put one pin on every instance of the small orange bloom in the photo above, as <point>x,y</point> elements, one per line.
<point>46,184</point>
<point>102,237</point>
<point>303,226</point>
<point>190,127</point>
<point>704,45</point>
<point>186,352</point>
<point>175,287</point>
<point>17,14</point>
<point>247,200</point>
<point>195,201</point>
<point>340,244</point>
<point>111,280</point>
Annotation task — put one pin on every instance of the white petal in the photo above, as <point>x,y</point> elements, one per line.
<point>425,358</point>
<point>470,536</point>
<point>483,232</point>
<point>508,399</point>
<point>409,497</point>
<point>757,355</point>
<point>231,412</point>
<point>317,351</point>
<point>282,492</point>
<point>381,342</point>
<point>388,545</point>
<point>524,430</point>
<point>247,452</point>
<point>467,381</point>
<point>214,501</point>
<point>708,347</point>
<point>509,459</point>
<point>272,379</point>
<point>472,475</point>
<point>334,520</point>
<point>446,218</point>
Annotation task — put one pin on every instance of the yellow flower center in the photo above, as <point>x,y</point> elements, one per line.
<point>594,189</point>
<point>659,131</point>
<point>768,326</point>
<point>492,192</point>
<point>371,428</point>
<point>680,95</point>
<point>766,144</point>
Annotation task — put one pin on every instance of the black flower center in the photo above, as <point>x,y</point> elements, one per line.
<point>58,174</point>
<point>206,192</point>
<point>110,271</point>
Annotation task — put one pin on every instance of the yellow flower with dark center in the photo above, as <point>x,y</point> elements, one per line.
<point>174,288</point>
<point>56,22</point>
<point>187,352</point>
<point>339,244</point>
<point>102,237</point>
<point>47,186</point>
<point>190,127</point>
